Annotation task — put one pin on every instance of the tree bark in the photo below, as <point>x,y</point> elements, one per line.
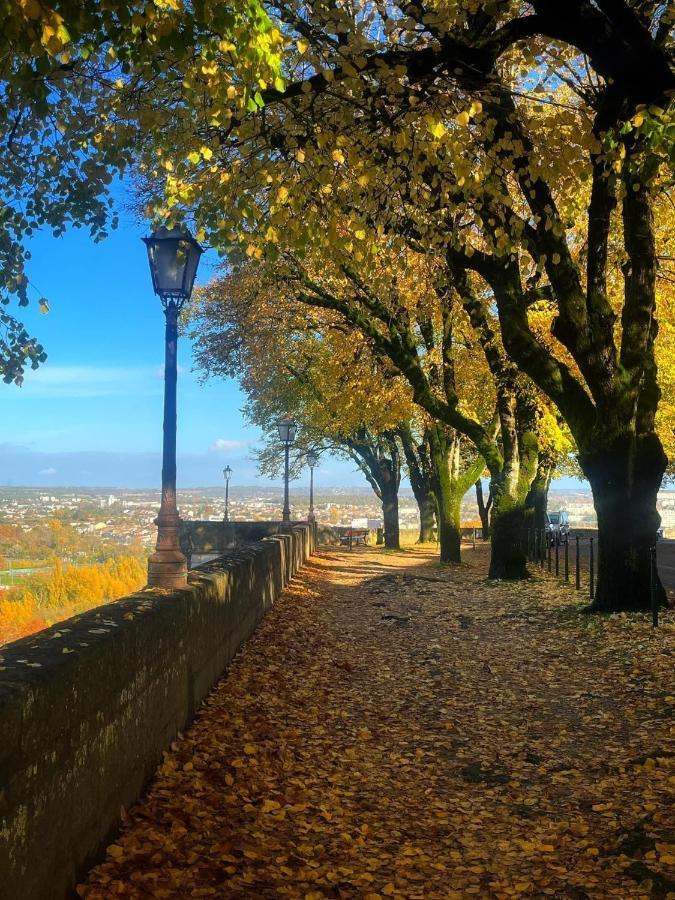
<point>508,559</point>
<point>536,502</point>
<point>483,509</point>
<point>449,525</point>
<point>418,463</point>
<point>392,540</point>
<point>625,477</point>
<point>427,507</point>
<point>445,491</point>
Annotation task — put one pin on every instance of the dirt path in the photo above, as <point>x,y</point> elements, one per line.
<point>395,729</point>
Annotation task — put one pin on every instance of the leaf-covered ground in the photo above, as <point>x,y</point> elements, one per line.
<point>395,729</point>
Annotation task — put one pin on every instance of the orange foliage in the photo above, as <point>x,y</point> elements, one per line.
<point>42,600</point>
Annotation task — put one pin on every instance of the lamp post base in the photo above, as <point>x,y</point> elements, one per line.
<point>167,567</point>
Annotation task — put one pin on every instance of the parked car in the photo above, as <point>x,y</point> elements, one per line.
<point>557,526</point>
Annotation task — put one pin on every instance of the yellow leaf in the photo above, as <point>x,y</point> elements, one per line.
<point>463,118</point>
<point>437,129</point>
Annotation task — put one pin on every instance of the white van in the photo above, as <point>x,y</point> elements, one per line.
<point>557,526</point>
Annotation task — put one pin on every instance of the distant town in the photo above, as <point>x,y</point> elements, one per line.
<point>126,517</point>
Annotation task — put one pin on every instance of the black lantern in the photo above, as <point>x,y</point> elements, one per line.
<point>312,460</point>
<point>174,256</point>
<point>288,428</point>
<point>227,474</point>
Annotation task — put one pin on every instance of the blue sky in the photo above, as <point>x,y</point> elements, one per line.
<point>92,414</point>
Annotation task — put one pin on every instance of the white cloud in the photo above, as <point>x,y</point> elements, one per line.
<point>89,381</point>
<point>159,371</point>
<point>221,445</point>
<point>50,471</point>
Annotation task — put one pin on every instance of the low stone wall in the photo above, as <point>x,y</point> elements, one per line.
<point>88,706</point>
<point>204,538</point>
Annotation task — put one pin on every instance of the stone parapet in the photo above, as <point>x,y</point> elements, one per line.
<point>87,707</point>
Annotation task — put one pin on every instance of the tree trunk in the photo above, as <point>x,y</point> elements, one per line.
<point>447,501</point>
<point>449,531</point>
<point>508,558</point>
<point>536,502</point>
<point>483,510</point>
<point>427,508</point>
<point>417,461</point>
<point>390,517</point>
<point>625,478</point>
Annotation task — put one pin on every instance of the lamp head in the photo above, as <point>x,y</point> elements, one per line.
<point>287,428</point>
<point>173,255</point>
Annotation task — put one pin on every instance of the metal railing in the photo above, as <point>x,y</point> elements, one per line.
<point>553,555</point>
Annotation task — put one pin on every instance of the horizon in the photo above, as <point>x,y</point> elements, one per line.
<point>581,487</point>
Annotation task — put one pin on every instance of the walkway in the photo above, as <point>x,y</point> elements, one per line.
<point>395,729</point>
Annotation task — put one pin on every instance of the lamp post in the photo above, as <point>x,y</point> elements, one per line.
<point>227,474</point>
<point>287,430</point>
<point>312,460</point>
<point>173,255</point>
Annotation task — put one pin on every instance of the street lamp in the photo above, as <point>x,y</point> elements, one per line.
<point>312,461</point>
<point>173,255</point>
<point>287,430</point>
<point>227,474</point>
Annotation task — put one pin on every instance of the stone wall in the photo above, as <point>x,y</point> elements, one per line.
<point>88,706</point>
<point>207,538</point>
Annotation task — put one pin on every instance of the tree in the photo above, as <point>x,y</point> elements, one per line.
<point>290,362</point>
<point>416,452</point>
<point>379,458</point>
<point>519,139</point>
<point>247,308</point>
<point>66,72</point>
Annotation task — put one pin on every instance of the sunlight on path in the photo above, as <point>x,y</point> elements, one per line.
<point>398,729</point>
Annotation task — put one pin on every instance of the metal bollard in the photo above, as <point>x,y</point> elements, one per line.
<point>577,577</point>
<point>474,538</point>
<point>542,553</point>
<point>591,574</point>
<point>567,558</point>
<point>548,553</point>
<point>557,557</point>
<point>652,587</point>
<point>350,540</point>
